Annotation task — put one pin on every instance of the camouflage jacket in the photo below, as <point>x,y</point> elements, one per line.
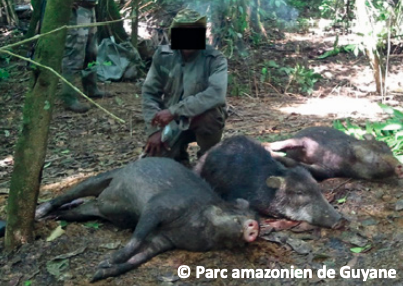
<point>186,88</point>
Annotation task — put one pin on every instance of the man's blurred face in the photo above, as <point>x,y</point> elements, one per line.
<point>188,39</point>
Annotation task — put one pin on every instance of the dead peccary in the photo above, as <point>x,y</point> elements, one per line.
<point>329,153</point>
<point>168,205</point>
<point>240,167</point>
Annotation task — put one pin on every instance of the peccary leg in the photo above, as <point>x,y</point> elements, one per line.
<point>157,245</point>
<point>90,187</point>
<point>148,221</point>
<point>318,172</point>
<point>287,162</point>
<point>284,145</point>
<point>87,211</point>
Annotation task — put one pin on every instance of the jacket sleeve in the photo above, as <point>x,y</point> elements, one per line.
<point>152,91</point>
<point>212,96</point>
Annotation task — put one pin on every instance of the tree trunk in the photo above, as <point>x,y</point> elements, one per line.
<point>218,12</point>
<point>254,19</point>
<point>11,17</point>
<point>370,44</point>
<point>36,17</point>
<point>32,142</point>
<point>107,10</point>
<point>135,22</point>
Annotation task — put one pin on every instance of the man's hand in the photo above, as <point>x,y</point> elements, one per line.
<point>154,144</point>
<point>162,118</point>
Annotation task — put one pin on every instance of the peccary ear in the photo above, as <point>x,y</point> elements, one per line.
<point>215,211</point>
<point>275,182</point>
<point>215,215</point>
<point>359,151</point>
<point>368,137</point>
<point>242,204</point>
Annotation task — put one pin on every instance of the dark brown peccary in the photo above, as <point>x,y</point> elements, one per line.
<point>240,167</point>
<point>329,153</point>
<point>168,205</point>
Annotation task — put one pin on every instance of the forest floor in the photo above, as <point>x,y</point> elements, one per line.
<point>81,145</point>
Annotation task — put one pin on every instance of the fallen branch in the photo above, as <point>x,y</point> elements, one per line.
<point>275,89</point>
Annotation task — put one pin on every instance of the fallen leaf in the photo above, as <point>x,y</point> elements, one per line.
<point>279,224</point>
<point>329,197</point>
<point>302,227</point>
<point>92,225</point>
<point>361,249</point>
<point>299,246</point>
<point>70,254</point>
<point>56,268</point>
<point>56,233</point>
<point>112,245</point>
<point>399,205</point>
<point>342,200</point>
<point>354,238</point>
<point>170,277</point>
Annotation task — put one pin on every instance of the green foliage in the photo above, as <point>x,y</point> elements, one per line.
<point>298,3</point>
<point>4,74</point>
<point>95,63</point>
<point>235,26</point>
<point>237,88</point>
<point>47,105</point>
<point>105,63</point>
<point>270,72</point>
<point>264,75</point>
<point>338,11</point>
<point>382,14</point>
<point>301,77</point>
<point>5,58</point>
<point>63,223</point>
<point>256,38</point>
<point>361,249</point>
<point>385,18</point>
<point>389,131</point>
<point>342,49</point>
<point>92,225</point>
<point>342,200</point>
<point>304,77</point>
<point>92,64</point>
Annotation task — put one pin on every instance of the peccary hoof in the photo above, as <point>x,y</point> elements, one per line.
<point>43,210</point>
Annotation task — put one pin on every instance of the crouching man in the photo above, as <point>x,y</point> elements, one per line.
<point>184,92</point>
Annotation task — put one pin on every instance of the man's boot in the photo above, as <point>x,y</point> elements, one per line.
<point>90,86</point>
<point>69,96</point>
<point>205,142</point>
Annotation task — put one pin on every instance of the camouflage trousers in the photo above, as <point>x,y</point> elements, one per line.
<point>81,43</point>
